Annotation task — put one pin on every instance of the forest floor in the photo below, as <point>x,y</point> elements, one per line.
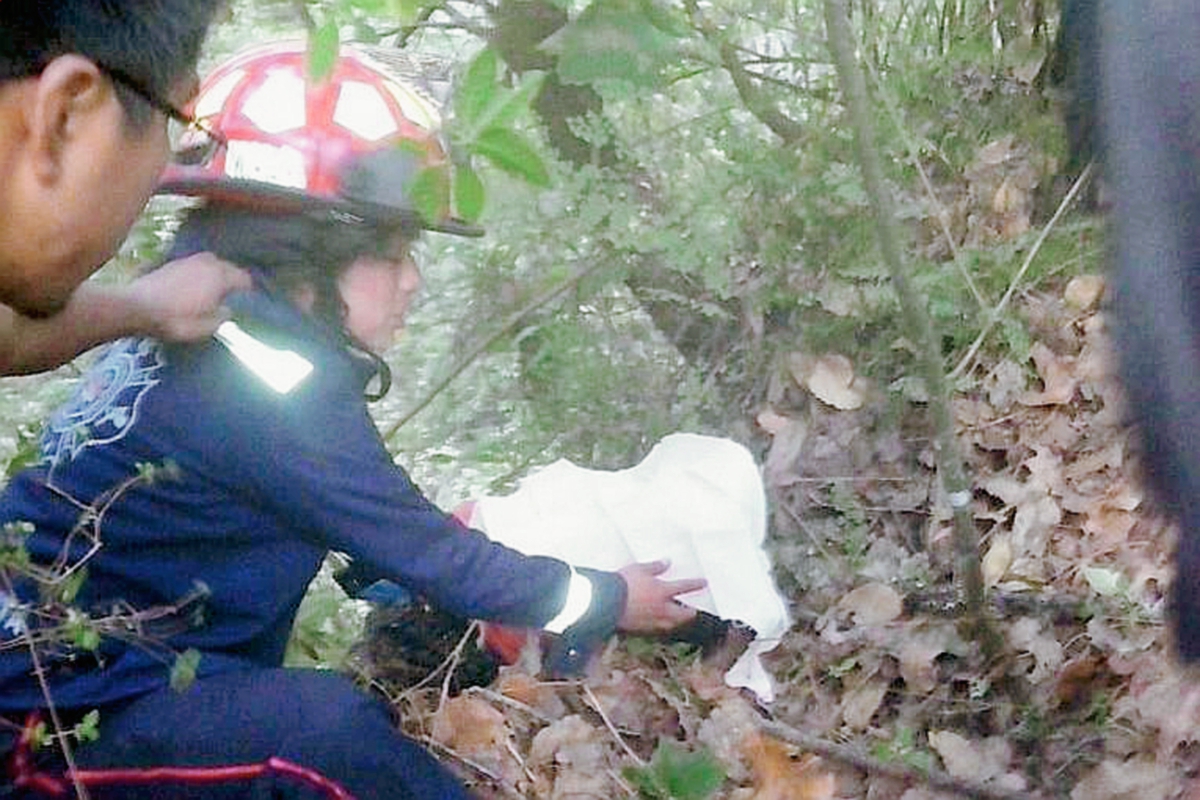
<point>882,692</point>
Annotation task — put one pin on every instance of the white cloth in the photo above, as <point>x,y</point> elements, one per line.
<point>695,500</point>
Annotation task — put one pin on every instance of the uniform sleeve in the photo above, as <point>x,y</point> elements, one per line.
<point>316,460</point>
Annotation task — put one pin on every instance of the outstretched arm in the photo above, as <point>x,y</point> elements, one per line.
<point>180,301</point>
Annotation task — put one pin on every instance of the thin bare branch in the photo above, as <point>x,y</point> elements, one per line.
<point>994,317</point>
<point>482,347</point>
<point>951,468</point>
<point>848,755</point>
<point>756,102</point>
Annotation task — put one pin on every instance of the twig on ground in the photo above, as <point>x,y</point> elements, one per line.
<point>852,757</point>
<point>474,766</point>
<point>620,781</point>
<point>590,697</point>
<point>447,666</point>
<point>496,697</point>
<point>451,662</point>
<point>512,751</point>
<point>812,537</point>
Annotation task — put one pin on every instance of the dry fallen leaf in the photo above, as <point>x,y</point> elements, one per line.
<point>997,560</point>
<point>472,728</point>
<point>1004,383</point>
<point>725,730</point>
<point>1075,680</point>
<point>1058,378</point>
<point>831,380</point>
<point>1032,524</point>
<point>1083,292</point>
<point>771,421</point>
<point>786,447</point>
<point>861,703</point>
<point>524,688</point>
<point>1135,779</point>
<point>872,604</point>
<point>469,725</point>
<point>778,777</point>
<point>917,652</point>
<point>1045,470</point>
<point>577,754</point>
<point>1027,635</point>
<point>981,761</point>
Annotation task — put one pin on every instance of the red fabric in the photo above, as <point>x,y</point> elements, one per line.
<point>504,642</point>
<point>25,774</point>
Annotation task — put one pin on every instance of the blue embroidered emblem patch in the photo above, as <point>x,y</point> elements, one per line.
<point>105,405</point>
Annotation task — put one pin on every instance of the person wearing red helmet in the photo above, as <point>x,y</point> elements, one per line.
<point>303,184</point>
<point>83,137</point>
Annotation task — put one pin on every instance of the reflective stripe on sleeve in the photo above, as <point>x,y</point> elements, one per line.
<point>579,599</point>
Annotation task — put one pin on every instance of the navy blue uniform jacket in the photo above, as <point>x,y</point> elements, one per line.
<point>264,485</point>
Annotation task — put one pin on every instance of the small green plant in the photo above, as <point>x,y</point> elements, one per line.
<point>677,774</point>
<point>903,748</point>
<point>855,529</point>
<point>1114,589</point>
<point>327,626</point>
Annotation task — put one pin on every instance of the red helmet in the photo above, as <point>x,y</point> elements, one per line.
<point>351,142</point>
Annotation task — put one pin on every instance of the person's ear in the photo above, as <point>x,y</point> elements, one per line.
<point>69,93</point>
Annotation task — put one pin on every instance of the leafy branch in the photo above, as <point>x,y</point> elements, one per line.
<point>53,622</point>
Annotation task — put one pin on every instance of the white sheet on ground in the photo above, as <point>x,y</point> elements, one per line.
<point>695,500</point>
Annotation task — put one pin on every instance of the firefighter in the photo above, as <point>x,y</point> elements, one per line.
<point>304,184</point>
<point>86,89</point>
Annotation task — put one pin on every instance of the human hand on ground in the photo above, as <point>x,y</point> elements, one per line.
<point>650,604</point>
<point>182,300</point>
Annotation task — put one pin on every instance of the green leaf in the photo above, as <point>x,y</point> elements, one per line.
<point>468,193</point>
<point>40,737</point>
<point>666,18</point>
<point>1105,582</point>
<point>478,88</point>
<point>506,112</point>
<point>81,632</point>
<point>68,590</point>
<point>687,775</point>
<point>323,47</point>
<point>88,728</point>
<point>508,151</point>
<point>29,450</point>
<point>183,671</point>
<point>613,40</point>
<point>677,774</point>
<point>430,192</point>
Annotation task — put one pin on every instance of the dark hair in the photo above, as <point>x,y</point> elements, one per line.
<point>287,249</point>
<point>290,250</point>
<point>157,42</point>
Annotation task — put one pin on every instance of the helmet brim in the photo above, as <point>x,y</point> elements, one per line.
<point>270,197</point>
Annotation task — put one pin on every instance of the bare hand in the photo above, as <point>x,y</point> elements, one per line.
<point>181,301</point>
<point>650,604</point>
